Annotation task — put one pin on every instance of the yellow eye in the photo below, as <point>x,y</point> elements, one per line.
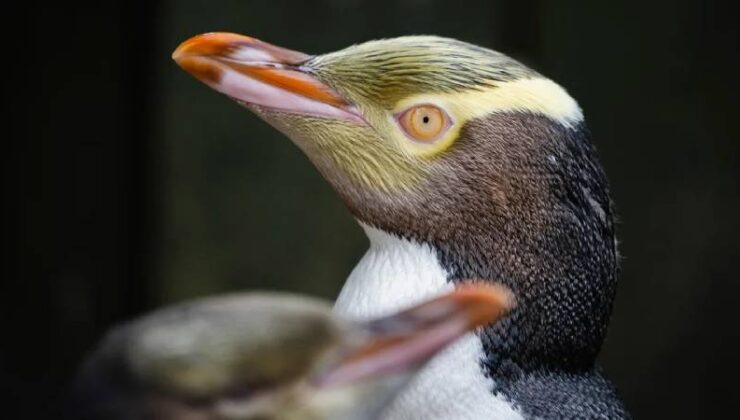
<point>424,123</point>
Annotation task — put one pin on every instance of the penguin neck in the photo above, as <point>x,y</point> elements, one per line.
<point>396,273</point>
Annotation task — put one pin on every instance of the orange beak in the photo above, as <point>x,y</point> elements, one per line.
<point>402,342</point>
<point>259,74</point>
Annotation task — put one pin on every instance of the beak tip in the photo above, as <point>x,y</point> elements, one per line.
<point>182,50</point>
<point>176,55</point>
<point>484,302</point>
<point>487,291</point>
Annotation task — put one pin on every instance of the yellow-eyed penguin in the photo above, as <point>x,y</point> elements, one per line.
<point>458,162</point>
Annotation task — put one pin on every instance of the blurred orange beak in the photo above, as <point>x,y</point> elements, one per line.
<point>256,73</point>
<point>403,342</point>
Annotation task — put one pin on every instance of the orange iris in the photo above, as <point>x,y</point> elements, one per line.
<point>424,123</point>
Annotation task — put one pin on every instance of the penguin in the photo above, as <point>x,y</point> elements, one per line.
<point>458,162</point>
<point>267,355</point>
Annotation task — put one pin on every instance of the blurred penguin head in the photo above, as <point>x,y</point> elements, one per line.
<point>270,356</point>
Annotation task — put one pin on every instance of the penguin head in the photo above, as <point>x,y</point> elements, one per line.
<point>383,118</point>
<point>456,146</point>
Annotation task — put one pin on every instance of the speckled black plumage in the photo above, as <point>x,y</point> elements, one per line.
<point>555,249</point>
<point>565,395</point>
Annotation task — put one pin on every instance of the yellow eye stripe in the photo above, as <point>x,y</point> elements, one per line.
<point>537,95</point>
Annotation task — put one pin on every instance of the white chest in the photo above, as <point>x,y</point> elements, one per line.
<point>394,274</point>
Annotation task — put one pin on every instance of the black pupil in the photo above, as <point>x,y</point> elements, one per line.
<point>425,119</point>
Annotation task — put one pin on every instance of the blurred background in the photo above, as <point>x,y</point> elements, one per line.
<point>132,185</point>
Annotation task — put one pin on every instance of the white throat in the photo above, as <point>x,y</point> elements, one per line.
<point>394,274</point>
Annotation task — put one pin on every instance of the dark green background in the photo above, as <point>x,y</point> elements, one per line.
<point>135,186</point>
